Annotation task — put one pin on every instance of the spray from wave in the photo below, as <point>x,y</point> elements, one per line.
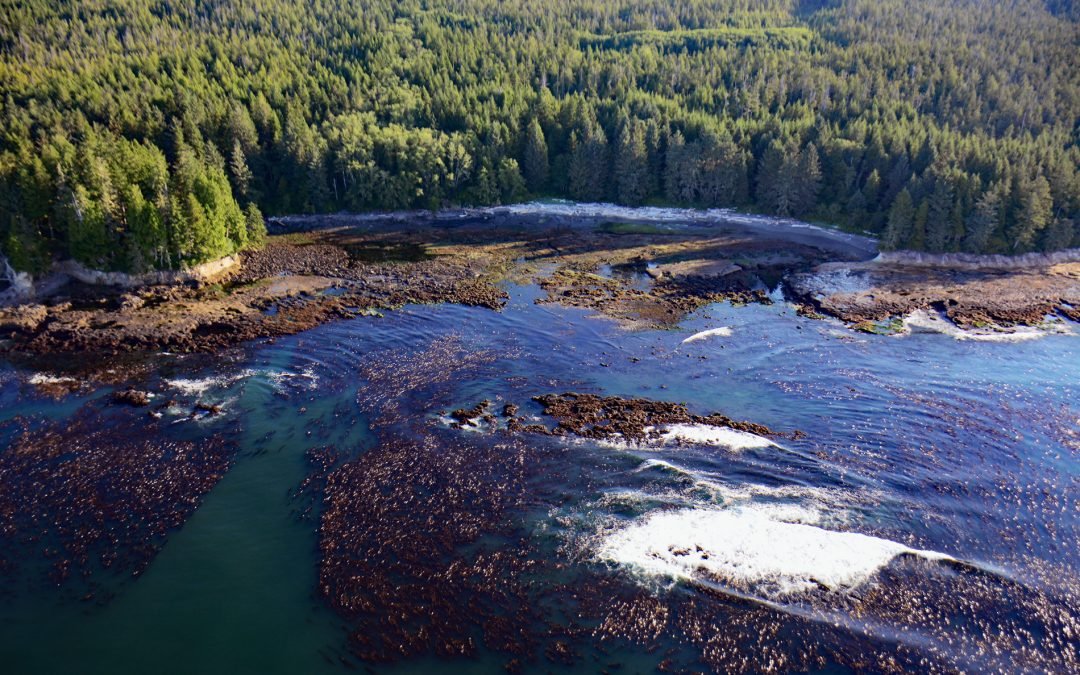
<point>772,551</point>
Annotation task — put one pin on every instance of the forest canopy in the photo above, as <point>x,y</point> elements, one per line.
<point>139,135</point>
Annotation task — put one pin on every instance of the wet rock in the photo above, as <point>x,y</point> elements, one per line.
<point>208,408</point>
<point>871,293</point>
<point>606,417</point>
<point>132,397</point>
<point>466,416</point>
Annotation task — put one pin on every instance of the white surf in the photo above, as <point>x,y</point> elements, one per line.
<point>723,331</point>
<point>773,551</point>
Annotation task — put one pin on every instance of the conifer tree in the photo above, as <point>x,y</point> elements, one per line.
<point>807,177</point>
<point>512,186</point>
<point>1060,234</point>
<point>1034,212</point>
<point>983,221</point>
<point>535,163</point>
<point>238,167</point>
<point>939,215</point>
<point>588,167</point>
<point>674,170</point>
<point>632,165</point>
<point>901,222</point>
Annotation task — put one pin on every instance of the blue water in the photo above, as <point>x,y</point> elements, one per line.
<point>968,449</point>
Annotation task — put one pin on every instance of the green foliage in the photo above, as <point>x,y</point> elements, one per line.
<point>589,164</point>
<point>536,158</point>
<point>789,178</point>
<point>1034,210</point>
<point>255,225</point>
<point>631,164</point>
<point>511,185</point>
<point>130,133</point>
<point>901,222</point>
<point>984,221</point>
<point>710,171</point>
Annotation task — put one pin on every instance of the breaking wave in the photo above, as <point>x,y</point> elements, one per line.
<point>676,435</point>
<point>704,434</point>
<point>771,551</point>
<point>281,380</point>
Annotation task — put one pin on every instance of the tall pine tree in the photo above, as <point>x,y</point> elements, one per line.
<point>535,162</point>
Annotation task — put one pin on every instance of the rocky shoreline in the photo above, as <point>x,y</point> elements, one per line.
<point>640,274</point>
<point>862,293</point>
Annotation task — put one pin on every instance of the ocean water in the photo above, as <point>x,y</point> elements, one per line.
<point>926,517</point>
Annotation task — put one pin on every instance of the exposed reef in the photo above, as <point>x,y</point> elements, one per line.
<point>333,267</point>
<point>970,297</point>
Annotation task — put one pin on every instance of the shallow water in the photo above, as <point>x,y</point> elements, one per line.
<point>929,512</point>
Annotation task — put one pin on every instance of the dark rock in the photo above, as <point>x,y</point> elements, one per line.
<point>132,397</point>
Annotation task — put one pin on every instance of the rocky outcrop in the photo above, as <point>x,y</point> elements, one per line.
<point>881,290</point>
<point>204,272</point>
<point>22,287</point>
<point>970,262</point>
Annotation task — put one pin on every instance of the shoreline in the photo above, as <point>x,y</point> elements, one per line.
<point>646,268</point>
<point>977,261</point>
<point>557,212</point>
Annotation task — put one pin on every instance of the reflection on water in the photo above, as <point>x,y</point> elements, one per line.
<point>927,517</point>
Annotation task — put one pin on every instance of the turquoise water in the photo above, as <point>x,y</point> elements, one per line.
<point>967,449</point>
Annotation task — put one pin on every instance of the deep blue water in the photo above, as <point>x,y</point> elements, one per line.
<point>967,449</point>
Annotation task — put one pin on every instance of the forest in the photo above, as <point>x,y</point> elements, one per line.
<point>138,135</point>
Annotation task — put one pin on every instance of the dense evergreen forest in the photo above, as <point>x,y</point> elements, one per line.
<point>138,134</point>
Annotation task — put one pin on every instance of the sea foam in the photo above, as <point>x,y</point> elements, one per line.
<point>282,379</point>
<point>922,321</point>
<point>673,435</point>
<point>705,434</point>
<point>196,387</point>
<point>723,331</point>
<point>769,550</point>
<point>46,379</point>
